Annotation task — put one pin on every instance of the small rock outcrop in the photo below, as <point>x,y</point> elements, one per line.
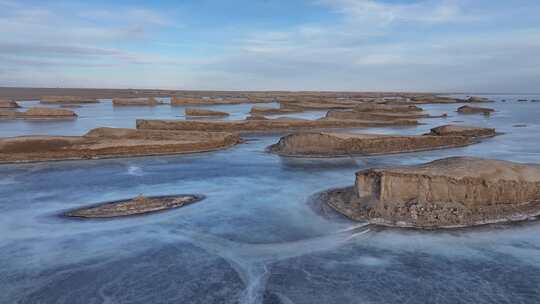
<point>320,144</point>
<point>203,112</point>
<point>474,110</point>
<point>151,101</point>
<point>136,206</point>
<point>67,99</point>
<point>8,104</point>
<point>447,193</point>
<point>110,143</point>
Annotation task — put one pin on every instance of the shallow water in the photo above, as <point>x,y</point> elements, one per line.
<point>255,238</point>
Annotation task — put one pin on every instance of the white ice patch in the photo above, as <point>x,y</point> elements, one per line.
<point>135,171</point>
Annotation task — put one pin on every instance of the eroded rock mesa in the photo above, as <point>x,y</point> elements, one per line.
<point>447,193</point>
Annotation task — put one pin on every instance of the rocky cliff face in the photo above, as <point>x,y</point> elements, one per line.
<point>458,191</point>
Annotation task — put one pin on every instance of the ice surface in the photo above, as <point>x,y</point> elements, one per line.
<point>255,238</point>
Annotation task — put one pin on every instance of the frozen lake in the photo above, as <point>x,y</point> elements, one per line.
<point>255,238</point>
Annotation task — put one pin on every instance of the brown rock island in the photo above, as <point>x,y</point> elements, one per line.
<point>203,112</point>
<point>263,125</point>
<point>468,131</point>
<point>320,144</point>
<point>188,100</point>
<point>447,193</point>
<point>8,104</point>
<point>273,111</point>
<point>474,110</point>
<point>136,206</point>
<point>111,143</point>
<point>150,101</point>
<point>67,99</point>
<point>39,113</point>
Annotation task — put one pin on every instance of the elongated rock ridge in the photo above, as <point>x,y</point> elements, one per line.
<point>203,112</point>
<point>39,113</point>
<point>150,101</point>
<point>110,143</point>
<point>321,144</point>
<point>67,99</point>
<point>136,206</point>
<point>447,193</point>
<point>474,110</point>
<point>263,125</point>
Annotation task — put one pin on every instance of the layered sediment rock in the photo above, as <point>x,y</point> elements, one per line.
<point>39,113</point>
<point>474,110</point>
<point>67,99</point>
<point>8,104</point>
<point>468,131</point>
<point>111,142</point>
<point>340,144</point>
<point>263,125</point>
<point>203,112</point>
<point>151,101</point>
<point>136,206</point>
<point>452,192</point>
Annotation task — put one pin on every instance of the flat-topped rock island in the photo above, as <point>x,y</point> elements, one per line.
<point>447,193</point>
<point>111,143</point>
<point>325,144</point>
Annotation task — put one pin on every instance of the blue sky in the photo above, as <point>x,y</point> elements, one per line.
<point>420,45</point>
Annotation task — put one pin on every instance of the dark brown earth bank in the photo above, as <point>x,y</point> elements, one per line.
<point>447,193</point>
<point>137,206</point>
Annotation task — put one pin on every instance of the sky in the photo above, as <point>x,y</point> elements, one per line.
<point>352,45</point>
